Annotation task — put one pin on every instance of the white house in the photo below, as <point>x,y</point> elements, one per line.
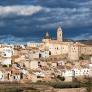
<point>40,74</point>
<point>7,52</point>
<point>61,63</point>
<point>44,54</point>
<point>68,75</point>
<point>81,72</point>
<point>6,61</point>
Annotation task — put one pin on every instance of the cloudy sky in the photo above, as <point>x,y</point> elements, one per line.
<point>28,20</point>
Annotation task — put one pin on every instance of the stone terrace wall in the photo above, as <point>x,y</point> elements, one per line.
<point>72,90</point>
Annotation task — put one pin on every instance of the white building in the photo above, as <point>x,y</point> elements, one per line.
<point>76,72</point>
<point>6,61</point>
<point>33,44</point>
<point>40,74</point>
<point>44,54</point>
<point>81,72</point>
<point>7,52</point>
<point>68,73</point>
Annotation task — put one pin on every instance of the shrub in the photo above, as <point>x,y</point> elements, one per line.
<point>61,78</point>
<point>4,65</point>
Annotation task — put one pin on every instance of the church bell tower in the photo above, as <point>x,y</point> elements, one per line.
<point>59,34</point>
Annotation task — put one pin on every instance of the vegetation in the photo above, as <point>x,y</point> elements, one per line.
<point>10,90</point>
<point>30,88</point>
<point>4,65</point>
<point>77,84</point>
<point>60,78</point>
<point>66,85</point>
<point>84,57</point>
<point>10,65</point>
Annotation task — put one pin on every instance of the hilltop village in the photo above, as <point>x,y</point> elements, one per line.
<point>49,60</point>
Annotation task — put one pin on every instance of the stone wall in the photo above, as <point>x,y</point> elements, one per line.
<point>72,90</point>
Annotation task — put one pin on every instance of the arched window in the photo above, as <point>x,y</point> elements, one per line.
<point>49,52</point>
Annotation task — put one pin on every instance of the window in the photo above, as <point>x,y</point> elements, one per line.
<point>49,52</point>
<point>40,55</point>
<point>4,54</point>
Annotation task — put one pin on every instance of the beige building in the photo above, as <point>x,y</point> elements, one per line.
<point>73,53</point>
<point>59,47</point>
<point>86,49</point>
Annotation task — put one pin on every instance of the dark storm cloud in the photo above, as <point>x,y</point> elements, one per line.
<point>30,19</point>
<point>47,3</point>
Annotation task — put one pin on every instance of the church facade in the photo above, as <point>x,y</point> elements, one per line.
<point>73,50</point>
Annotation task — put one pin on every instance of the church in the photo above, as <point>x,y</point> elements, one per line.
<point>73,50</point>
<point>58,48</point>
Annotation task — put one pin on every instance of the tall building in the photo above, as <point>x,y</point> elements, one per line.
<point>59,34</point>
